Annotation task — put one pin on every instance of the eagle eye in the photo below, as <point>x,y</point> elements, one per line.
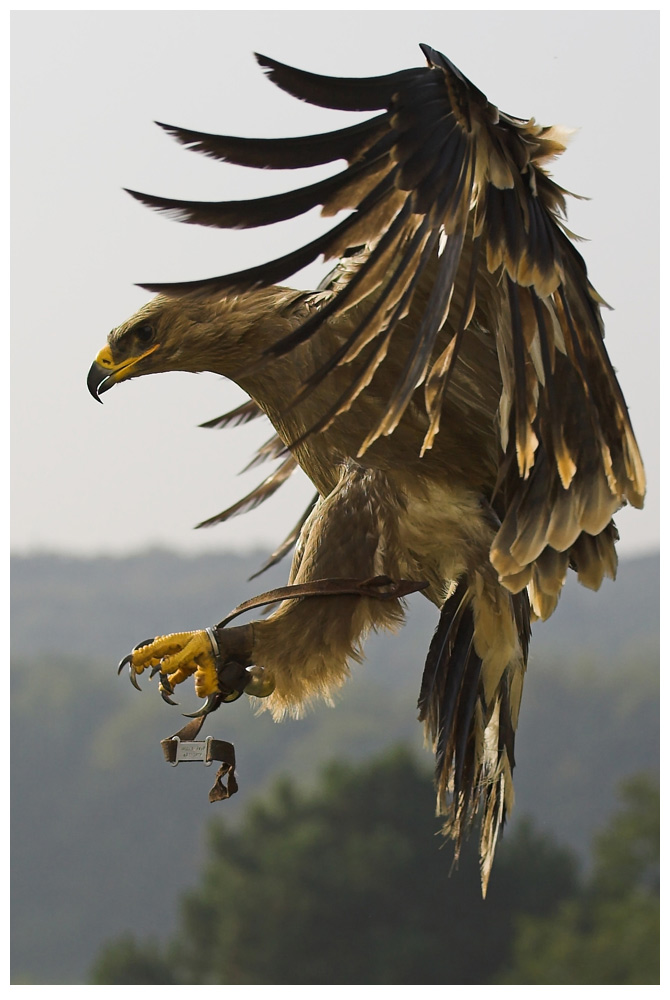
<point>144,333</point>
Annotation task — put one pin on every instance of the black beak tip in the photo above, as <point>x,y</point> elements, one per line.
<point>97,377</point>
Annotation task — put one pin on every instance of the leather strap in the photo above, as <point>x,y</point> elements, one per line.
<point>382,588</point>
<point>219,750</point>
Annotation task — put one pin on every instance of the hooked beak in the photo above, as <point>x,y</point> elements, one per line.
<point>105,372</point>
<point>98,381</point>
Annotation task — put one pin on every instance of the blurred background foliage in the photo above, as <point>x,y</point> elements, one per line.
<point>345,885</point>
<point>313,876</point>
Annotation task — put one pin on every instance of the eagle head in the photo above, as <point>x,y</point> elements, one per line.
<point>224,334</point>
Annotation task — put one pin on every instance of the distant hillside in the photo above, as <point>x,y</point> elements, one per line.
<point>105,835</point>
<point>98,608</point>
<point>623,616</point>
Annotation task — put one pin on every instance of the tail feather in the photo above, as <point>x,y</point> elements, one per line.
<point>469,703</point>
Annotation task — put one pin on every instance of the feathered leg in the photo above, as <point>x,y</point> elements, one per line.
<point>304,648</point>
<point>308,644</point>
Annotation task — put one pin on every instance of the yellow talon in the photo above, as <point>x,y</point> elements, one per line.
<point>179,656</point>
<point>206,678</point>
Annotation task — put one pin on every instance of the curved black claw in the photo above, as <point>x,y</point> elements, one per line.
<point>129,660</point>
<point>145,642</point>
<point>166,689</point>
<point>212,703</point>
<point>131,670</point>
<point>165,684</point>
<point>126,659</point>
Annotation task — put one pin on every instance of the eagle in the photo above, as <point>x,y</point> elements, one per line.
<point>446,389</point>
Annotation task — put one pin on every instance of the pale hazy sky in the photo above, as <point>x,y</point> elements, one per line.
<point>86,88</point>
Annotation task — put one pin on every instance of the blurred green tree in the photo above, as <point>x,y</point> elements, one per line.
<point>346,884</point>
<point>609,934</point>
<point>124,962</point>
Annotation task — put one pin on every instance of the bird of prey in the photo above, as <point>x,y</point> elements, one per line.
<point>446,389</point>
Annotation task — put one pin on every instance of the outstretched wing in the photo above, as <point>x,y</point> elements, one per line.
<point>446,191</point>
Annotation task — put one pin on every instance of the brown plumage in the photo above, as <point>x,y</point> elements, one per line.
<point>446,389</point>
